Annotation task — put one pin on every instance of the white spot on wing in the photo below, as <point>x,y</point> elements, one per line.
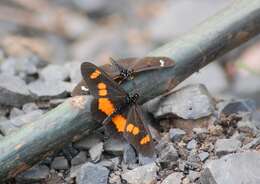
<point>83,88</point>
<point>162,63</point>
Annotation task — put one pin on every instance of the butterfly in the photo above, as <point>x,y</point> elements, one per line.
<point>126,70</point>
<point>117,109</point>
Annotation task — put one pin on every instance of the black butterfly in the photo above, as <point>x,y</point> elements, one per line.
<point>128,68</point>
<point>117,109</point>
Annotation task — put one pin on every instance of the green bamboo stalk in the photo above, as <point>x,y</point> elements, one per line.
<point>211,39</point>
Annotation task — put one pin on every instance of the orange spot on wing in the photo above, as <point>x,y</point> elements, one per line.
<point>120,122</point>
<point>95,74</point>
<point>106,106</point>
<point>136,130</point>
<point>102,85</point>
<point>102,92</point>
<point>129,127</point>
<point>132,129</point>
<point>145,139</point>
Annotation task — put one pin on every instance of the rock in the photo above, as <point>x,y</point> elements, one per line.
<point>11,125</point>
<point>167,152</point>
<point>92,174</point>
<point>54,72</point>
<point>74,71</point>
<point>60,163</point>
<point>26,118</point>
<point>190,102</point>
<point>79,159</point>
<point>203,156</point>
<point>186,166</point>
<point>193,176</point>
<point>4,111</point>
<point>236,107</point>
<point>186,181</point>
<point>114,146</point>
<point>193,157</point>
<point>181,166</point>
<point>111,164</point>
<point>102,7</point>
<point>6,127</point>
<point>141,175</point>
<point>69,152</point>
<point>92,46</point>
<point>143,160</point>
<point>192,163</point>
<point>174,178</point>
<point>215,130</point>
<point>15,112</point>
<point>239,136</point>
<point>256,118</point>
<point>50,89</point>
<point>94,6</point>
<point>199,131</point>
<point>192,144</point>
<point>176,134</point>
<point>29,107</point>
<point>95,152</point>
<point>13,91</point>
<point>129,156</point>
<point>38,173</point>
<point>233,169</point>
<point>253,144</point>
<point>115,178</point>
<point>21,65</point>
<point>76,25</point>
<point>87,142</point>
<point>226,146</point>
<point>247,127</point>
<point>212,72</point>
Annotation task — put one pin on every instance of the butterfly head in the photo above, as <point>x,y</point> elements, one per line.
<point>132,99</point>
<point>135,97</point>
<point>127,74</point>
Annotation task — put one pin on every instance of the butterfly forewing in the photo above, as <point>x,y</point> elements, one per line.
<point>109,97</point>
<point>99,83</point>
<point>137,133</point>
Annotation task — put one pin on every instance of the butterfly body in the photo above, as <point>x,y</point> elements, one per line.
<point>117,109</point>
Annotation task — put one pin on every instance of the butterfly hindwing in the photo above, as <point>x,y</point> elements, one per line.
<point>152,63</point>
<point>135,64</point>
<point>137,133</point>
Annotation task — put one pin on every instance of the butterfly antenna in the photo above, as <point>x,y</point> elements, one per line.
<point>116,65</point>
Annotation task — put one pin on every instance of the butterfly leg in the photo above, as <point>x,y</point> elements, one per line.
<point>107,120</point>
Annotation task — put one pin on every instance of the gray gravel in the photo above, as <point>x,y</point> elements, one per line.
<point>233,169</point>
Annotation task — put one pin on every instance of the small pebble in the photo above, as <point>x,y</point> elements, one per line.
<point>60,163</point>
